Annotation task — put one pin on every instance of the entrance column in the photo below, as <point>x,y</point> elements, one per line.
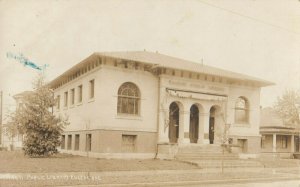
<point>186,126</point>
<point>201,129</point>
<point>206,128</point>
<point>292,144</point>
<point>163,131</point>
<point>181,127</point>
<point>274,143</point>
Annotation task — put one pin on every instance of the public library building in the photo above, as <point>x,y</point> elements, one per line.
<point>146,105</point>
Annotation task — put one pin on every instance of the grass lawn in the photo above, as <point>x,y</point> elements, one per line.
<point>16,162</point>
<point>47,168</point>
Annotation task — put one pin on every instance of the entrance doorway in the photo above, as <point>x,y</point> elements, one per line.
<point>173,122</point>
<point>297,143</point>
<point>194,124</point>
<point>212,116</point>
<point>211,130</point>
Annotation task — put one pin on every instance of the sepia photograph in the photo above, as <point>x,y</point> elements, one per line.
<point>160,93</point>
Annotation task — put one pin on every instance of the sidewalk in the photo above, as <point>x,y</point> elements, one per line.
<point>152,177</point>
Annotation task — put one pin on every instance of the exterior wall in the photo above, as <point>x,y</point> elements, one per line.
<point>268,144</point>
<point>196,95</point>
<point>111,79</point>
<point>253,96</point>
<point>104,147</point>
<point>99,115</point>
<point>10,104</point>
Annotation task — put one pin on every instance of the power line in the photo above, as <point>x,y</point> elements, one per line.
<point>249,17</point>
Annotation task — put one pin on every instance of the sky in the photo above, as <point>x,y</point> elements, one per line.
<point>260,38</point>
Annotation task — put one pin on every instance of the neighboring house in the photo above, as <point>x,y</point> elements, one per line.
<point>14,142</point>
<point>144,104</point>
<point>278,139</point>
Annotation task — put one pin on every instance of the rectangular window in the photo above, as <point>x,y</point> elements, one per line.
<point>284,141</point>
<point>69,142</point>
<point>76,142</point>
<point>58,102</point>
<point>66,99</point>
<point>128,143</point>
<point>80,93</point>
<point>63,141</point>
<point>72,96</point>
<point>92,88</point>
<point>88,146</point>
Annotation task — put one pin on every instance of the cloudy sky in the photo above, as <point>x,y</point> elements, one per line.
<point>255,37</point>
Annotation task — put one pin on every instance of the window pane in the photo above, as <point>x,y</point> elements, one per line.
<point>80,93</point>
<point>128,99</point>
<point>92,88</point>
<point>241,111</point>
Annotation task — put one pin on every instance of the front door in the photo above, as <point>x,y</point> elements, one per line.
<point>296,143</point>
<point>194,124</point>
<point>211,129</point>
<point>173,123</point>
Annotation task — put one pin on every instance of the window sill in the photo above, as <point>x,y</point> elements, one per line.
<point>128,117</point>
<point>78,104</point>
<point>65,108</point>
<point>72,106</point>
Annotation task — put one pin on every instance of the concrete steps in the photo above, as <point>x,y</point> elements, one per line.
<point>226,163</point>
<point>204,152</point>
<point>212,156</point>
<point>206,157</point>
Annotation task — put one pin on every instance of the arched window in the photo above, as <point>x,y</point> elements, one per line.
<point>128,99</point>
<point>241,110</point>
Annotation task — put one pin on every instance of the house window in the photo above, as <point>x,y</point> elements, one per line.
<point>77,142</point>
<point>88,146</point>
<point>69,142</point>
<point>92,88</point>
<point>66,99</point>
<point>63,141</point>
<point>128,99</point>
<point>72,96</point>
<point>80,93</point>
<point>58,102</point>
<point>241,110</point>
<point>284,141</point>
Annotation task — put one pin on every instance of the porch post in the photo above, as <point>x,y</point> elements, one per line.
<point>274,143</point>
<point>292,144</point>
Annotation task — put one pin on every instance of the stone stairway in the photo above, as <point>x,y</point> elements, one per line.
<point>212,156</point>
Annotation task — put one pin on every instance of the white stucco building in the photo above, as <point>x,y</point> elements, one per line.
<point>12,139</point>
<point>144,104</point>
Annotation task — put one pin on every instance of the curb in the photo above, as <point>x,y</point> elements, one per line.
<point>204,182</point>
